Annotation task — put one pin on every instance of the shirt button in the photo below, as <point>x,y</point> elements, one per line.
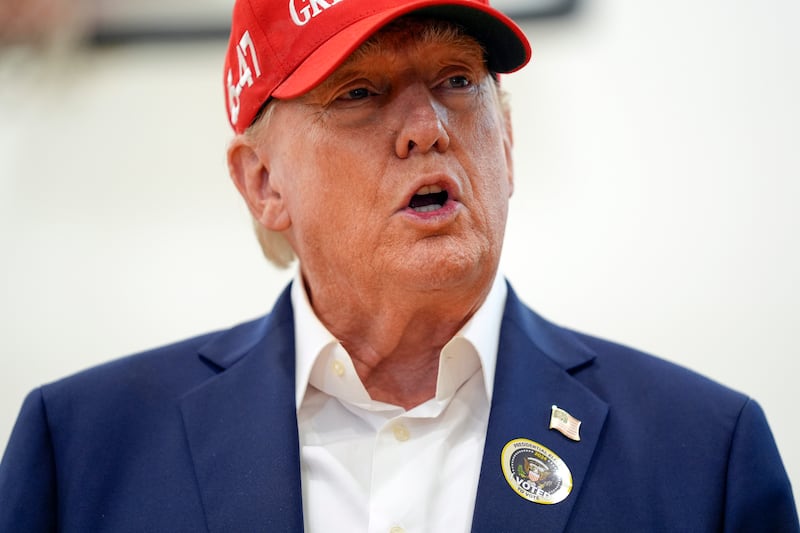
<point>400,433</point>
<point>338,368</point>
<point>397,529</point>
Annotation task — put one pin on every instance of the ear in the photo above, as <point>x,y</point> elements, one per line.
<point>250,173</point>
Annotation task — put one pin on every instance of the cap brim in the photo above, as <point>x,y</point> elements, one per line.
<point>507,47</point>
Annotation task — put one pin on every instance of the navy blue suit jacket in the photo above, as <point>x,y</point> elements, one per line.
<point>202,436</point>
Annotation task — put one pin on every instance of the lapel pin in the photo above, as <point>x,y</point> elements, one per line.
<point>565,423</point>
<point>535,473</point>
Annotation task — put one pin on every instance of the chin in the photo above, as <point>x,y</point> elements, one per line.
<point>444,267</point>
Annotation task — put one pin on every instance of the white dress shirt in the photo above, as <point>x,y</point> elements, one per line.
<point>373,467</point>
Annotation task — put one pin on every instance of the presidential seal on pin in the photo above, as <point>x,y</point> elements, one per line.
<point>535,472</point>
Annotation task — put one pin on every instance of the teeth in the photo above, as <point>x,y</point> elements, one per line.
<point>427,208</point>
<point>430,189</point>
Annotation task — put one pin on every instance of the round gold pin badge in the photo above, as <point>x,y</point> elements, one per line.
<point>535,472</point>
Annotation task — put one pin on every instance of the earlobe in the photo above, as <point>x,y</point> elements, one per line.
<point>250,173</point>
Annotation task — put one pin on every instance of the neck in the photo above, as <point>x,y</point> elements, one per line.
<point>395,340</point>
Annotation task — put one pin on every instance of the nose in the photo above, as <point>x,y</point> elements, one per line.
<point>422,121</point>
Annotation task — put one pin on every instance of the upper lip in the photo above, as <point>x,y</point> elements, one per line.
<point>445,182</point>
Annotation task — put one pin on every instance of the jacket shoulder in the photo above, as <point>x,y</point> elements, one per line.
<point>142,380</point>
<point>640,374</point>
<point>615,371</point>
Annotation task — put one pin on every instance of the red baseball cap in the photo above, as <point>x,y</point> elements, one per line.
<point>285,48</point>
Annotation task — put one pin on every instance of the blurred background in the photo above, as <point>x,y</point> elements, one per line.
<point>657,178</point>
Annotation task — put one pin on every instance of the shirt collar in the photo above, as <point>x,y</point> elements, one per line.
<point>482,332</point>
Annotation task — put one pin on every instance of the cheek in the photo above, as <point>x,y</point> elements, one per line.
<point>334,187</point>
<point>493,175</point>
<point>490,178</point>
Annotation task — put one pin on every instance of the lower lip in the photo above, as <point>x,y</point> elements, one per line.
<point>438,217</point>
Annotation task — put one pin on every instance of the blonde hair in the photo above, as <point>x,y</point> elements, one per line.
<point>274,245</point>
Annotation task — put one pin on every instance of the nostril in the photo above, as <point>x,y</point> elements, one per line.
<point>411,145</point>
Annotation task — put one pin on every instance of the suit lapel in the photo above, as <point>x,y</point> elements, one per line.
<point>534,366</point>
<point>241,427</point>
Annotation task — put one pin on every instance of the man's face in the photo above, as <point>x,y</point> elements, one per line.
<point>397,168</point>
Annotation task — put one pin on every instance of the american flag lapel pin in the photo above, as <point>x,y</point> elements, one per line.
<point>565,423</point>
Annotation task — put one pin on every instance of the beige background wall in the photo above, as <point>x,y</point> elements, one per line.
<point>657,181</point>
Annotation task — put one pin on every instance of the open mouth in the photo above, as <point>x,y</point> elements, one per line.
<point>428,198</point>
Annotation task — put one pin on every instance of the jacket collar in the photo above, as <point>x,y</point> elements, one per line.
<point>242,428</point>
<point>241,425</point>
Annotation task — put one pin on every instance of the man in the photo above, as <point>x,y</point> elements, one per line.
<point>399,384</point>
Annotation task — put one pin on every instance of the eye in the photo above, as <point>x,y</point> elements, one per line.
<point>458,82</point>
<point>358,93</point>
